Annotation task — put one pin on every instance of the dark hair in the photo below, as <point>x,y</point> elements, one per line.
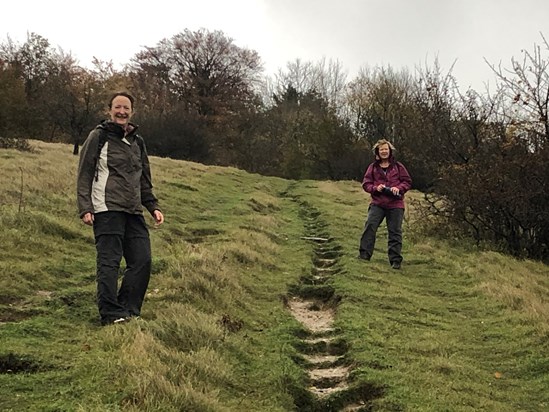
<point>129,96</point>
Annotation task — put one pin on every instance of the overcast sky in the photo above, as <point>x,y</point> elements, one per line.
<point>357,33</point>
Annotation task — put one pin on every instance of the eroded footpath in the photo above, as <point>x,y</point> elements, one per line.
<point>314,302</point>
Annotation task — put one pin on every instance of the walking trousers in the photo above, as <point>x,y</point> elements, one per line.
<point>394,218</point>
<point>117,235</point>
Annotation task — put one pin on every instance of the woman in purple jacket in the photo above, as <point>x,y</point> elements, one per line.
<point>386,180</point>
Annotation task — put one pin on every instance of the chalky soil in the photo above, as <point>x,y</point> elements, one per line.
<point>313,303</point>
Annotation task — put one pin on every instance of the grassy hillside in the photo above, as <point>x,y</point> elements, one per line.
<point>455,330</point>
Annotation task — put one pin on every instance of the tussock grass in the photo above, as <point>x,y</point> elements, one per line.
<point>457,329</point>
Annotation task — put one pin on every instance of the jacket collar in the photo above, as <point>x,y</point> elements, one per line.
<point>118,130</point>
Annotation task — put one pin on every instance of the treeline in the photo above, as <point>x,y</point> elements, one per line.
<point>481,158</point>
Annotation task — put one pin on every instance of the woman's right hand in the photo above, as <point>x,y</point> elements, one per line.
<point>88,219</point>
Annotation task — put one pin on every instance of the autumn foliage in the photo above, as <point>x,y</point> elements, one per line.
<point>481,159</point>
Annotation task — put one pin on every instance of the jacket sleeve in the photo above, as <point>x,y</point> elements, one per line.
<point>368,180</point>
<point>405,179</point>
<point>148,199</point>
<point>86,173</point>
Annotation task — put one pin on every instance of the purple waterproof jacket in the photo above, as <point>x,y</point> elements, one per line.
<point>395,176</point>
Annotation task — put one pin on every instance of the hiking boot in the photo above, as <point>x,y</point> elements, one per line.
<point>395,265</point>
<point>362,257</point>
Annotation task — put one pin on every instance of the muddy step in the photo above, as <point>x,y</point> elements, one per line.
<point>326,271</point>
<point>313,280</point>
<point>357,407</point>
<point>315,292</point>
<point>324,361</point>
<point>327,253</point>
<point>318,233</point>
<point>311,214</point>
<point>328,391</point>
<point>333,247</point>
<point>318,239</point>
<point>316,224</point>
<point>330,345</point>
<point>328,377</point>
<point>324,262</point>
<point>311,315</point>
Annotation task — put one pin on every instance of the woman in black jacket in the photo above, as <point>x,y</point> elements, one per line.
<point>113,186</point>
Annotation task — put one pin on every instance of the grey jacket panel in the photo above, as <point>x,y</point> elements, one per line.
<point>116,179</point>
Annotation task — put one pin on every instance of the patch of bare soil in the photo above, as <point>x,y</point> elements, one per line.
<point>326,375</point>
<point>311,316</point>
<point>318,359</point>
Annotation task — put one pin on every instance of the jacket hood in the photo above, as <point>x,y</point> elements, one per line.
<point>113,127</point>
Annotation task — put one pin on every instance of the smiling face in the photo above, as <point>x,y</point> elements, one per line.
<point>384,151</point>
<point>121,110</point>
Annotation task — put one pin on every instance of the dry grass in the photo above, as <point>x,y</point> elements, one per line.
<point>215,335</point>
<point>520,285</point>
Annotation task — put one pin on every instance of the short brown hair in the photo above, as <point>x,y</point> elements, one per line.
<point>129,96</point>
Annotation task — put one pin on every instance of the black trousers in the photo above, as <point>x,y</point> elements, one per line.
<point>117,235</point>
<point>394,218</point>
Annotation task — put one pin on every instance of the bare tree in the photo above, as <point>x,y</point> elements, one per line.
<point>204,68</point>
<point>496,189</point>
<point>207,79</point>
<point>327,79</point>
<point>524,90</point>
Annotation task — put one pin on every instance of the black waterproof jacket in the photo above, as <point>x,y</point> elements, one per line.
<point>114,172</point>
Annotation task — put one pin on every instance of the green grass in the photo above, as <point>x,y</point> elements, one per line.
<point>457,329</point>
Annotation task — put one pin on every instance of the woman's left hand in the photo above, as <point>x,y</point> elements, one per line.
<point>158,217</point>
